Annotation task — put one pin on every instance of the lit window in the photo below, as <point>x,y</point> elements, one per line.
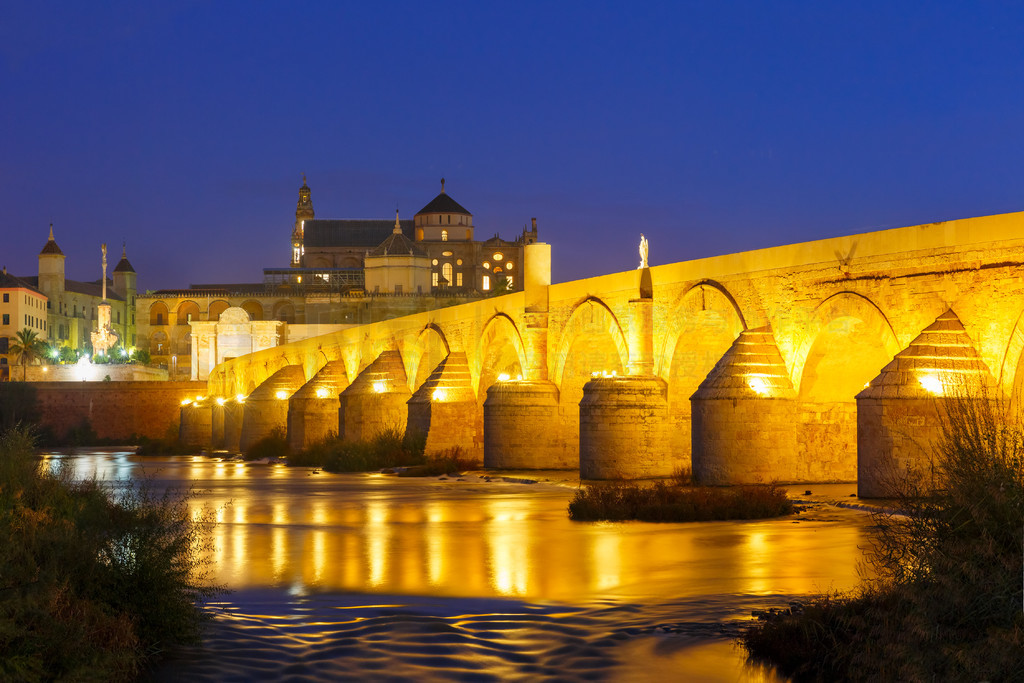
<point>446,253</point>
<point>458,279</point>
<point>446,270</point>
<point>508,266</point>
<point>458,262</point>
<point>487,265</point>
<point>508,278</point>
<point>497,257</point>
<point>433,279</point>
<point>487,283</point>
<point>434,262</point>
<point>444,235</point>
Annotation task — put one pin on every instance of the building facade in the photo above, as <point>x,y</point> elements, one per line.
<point>22,307</point>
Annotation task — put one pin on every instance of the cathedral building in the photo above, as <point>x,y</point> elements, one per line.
<point>340,272</point>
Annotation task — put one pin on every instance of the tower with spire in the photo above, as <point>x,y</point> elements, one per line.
<point>51,271</point>
<point>303,213</point>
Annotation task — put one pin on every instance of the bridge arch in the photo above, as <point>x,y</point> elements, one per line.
<point>431,347</point>
<point>1011,379</point>
<point>591,320</point>
<point>500,350</point>
<point>847,342</point>
<point>701,327</point>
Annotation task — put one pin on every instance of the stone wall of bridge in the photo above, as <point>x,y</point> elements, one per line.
<point>837,310</point>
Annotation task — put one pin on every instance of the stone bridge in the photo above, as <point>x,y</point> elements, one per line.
<point>749,367</point>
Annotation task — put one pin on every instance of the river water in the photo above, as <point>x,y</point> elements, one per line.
<point>370,576</point>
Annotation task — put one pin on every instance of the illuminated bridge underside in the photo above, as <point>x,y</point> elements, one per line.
<point>820,321</point>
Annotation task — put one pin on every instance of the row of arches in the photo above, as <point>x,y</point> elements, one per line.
<point>189,311</point>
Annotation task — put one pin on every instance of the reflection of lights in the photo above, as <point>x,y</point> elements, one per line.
<point>758,386</point>
<point>438,395</point>
<point>322,392</point>
<point>220,401</point>
<point>932,384</point>
<point>281,395</point>
<point>379,387</point>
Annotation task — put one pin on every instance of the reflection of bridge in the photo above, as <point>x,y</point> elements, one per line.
<point>796,332</point>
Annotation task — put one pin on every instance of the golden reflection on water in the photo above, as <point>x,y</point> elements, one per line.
<point>284,527</point>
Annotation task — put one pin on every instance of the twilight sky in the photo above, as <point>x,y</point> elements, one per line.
<point>184,127</point>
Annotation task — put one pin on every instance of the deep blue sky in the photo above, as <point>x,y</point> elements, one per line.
<point>712,127</point>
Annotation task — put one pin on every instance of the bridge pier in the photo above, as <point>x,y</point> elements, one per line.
<point>376,400</point>
<point>522,429</point>
<point>217,422</point>
<point>900,413</point>
<point>195,428</point>
<point>233,412</point>
<point>266,408</point>
<point>744,417</point>
<point>623,429</point>
<point>313,409</point>
<point>444,410</point>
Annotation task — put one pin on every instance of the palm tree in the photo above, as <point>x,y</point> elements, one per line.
<point>26,348</point>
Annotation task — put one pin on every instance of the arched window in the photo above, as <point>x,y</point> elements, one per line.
<point>446,272</point>
<point>444,235</point>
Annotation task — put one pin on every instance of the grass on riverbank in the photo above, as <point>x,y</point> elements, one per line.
<point>92,586</point>
<point>948,601</point>
<point>450,462</point>
<point>672,502</point>
<point>390,448</point>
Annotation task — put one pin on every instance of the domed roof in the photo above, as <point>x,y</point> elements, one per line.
<point>397,244</point>
<point>442,203</point>
<point>123,266</point>
<point>51,247</point>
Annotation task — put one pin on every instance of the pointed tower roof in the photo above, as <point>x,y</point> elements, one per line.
<point>304,207</point>
<point>442,203</point>
<point>751,368</point>
<point>51,247</point>
<point>942,359</point>
<point>123,266</point>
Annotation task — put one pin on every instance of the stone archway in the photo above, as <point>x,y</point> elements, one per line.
<point>500,351</point>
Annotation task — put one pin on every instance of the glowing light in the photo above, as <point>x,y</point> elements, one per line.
<point>55,353</point>
<point>322,392</point>
<point>379,387</point>
<point>758,386</point>
<point>220,401</point>
<point>504,377</point>
<point>240,398</point>
<point>45,368</point>
<point>519,378</point>
<point>200,399</point>
<point>438,395</point>
<point>281,395</point>
<point>186,401</point>
<point>932,384</point>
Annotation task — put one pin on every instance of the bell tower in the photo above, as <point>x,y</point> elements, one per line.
<point>303,213</point>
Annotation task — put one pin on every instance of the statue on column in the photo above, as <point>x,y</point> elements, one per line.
<point>643,252</point>
<point>104,338</point>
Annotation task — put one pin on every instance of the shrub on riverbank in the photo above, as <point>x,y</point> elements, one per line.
<point>452,461</point>
<point>947,603</point>
<point>273,445</point>
<point>663,502</point>
<point>390,448</point>
<point>92,585</point>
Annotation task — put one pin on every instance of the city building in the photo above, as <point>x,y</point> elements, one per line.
<point>340,273</point>
<point>72,306</point>
<point>22,307</point>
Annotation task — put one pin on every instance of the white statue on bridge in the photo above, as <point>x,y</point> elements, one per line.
<point>643,252</point>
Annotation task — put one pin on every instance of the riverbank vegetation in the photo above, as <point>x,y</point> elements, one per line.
<point>450,462</point>
<point>93,586</point>
<point>389,448</point>
<point>676,501</point>
<point>947,603</point>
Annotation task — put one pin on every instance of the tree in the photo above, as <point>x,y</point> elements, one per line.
<point>26,348</point>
